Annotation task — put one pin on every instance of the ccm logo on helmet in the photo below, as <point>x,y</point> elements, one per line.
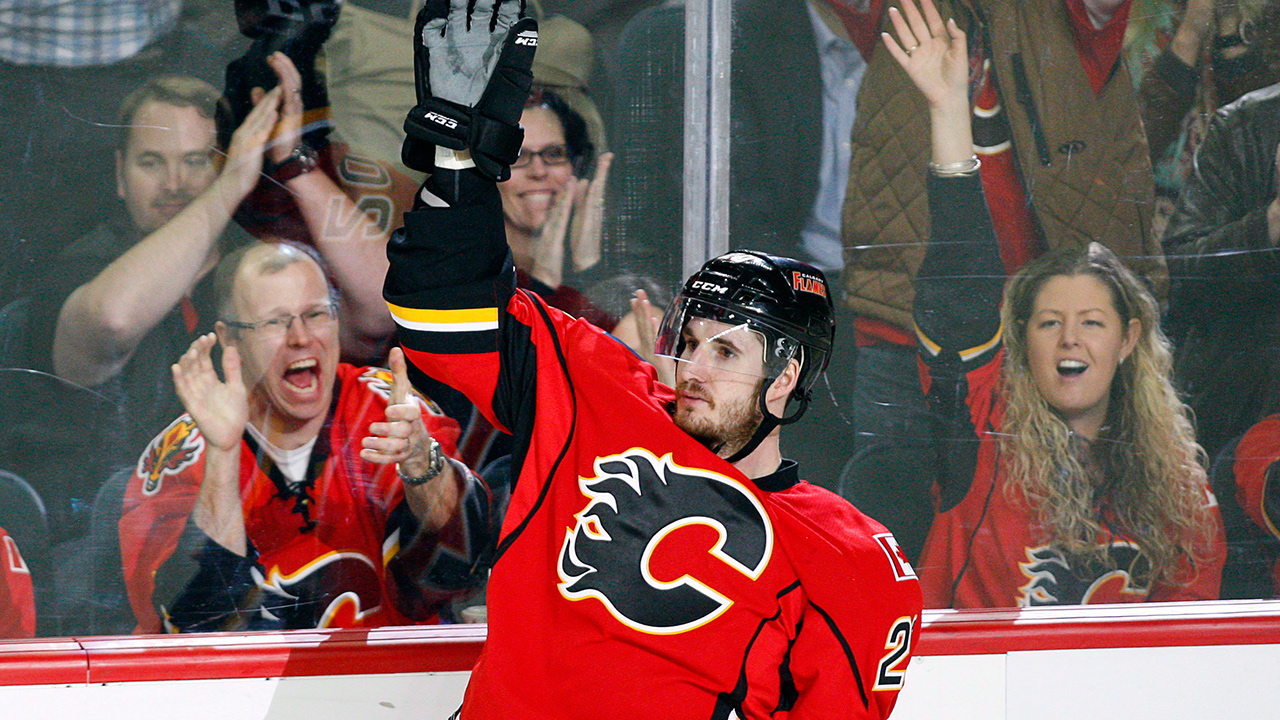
<point>527,38</point>
<point>439,119</point>
<point>710,287</point>
<point>808,283</point>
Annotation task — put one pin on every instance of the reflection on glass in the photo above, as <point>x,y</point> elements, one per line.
<point>138,154</point>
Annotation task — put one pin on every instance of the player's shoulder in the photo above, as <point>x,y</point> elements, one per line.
<point>830,524</point>
<point>1266,432</point>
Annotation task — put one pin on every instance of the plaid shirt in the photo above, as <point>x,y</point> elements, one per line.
<point>75,33</point>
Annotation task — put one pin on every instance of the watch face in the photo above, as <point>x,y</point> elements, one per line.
<point>301,161</point>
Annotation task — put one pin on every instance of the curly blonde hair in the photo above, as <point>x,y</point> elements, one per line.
<point>1148,480</point>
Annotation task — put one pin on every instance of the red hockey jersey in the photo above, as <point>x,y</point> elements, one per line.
<point>989,550</point>
<point>326,544</point>
<point>637,574</point>
<point>985,548</point>
<point>1256,490</point>
<point>17,599</point>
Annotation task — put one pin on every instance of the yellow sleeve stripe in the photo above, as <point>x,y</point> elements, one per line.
<point>965,355</point>
<point>973,352</point>
<point>465,320</point>
<point>933,347</point>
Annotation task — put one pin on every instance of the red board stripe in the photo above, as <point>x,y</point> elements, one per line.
<point>65,661</point>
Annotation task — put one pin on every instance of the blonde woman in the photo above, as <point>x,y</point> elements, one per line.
<point>1067,467</point>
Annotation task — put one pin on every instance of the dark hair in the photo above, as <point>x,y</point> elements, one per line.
<point>576,138</point>
<point>178,90</point>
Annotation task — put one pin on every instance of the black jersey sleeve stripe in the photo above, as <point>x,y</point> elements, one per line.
<point>447,248</point>
<point>453,343</point>
<point>848,652</point>
<point>569,436</point>
<point>961,278</point>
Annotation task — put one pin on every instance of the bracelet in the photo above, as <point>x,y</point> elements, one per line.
<point>1242,37</point>
<point>437,466</point>
<point>964,168</point>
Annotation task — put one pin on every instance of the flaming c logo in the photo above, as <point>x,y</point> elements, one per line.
<point>169,453</point>
<point>636,500</point>
<point>337,589</point>
<point>1053,580</point>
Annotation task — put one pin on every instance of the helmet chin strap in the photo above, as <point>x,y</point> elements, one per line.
<point>770,421</point>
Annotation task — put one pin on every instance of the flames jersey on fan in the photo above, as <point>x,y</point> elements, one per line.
<point>17,598</point>
<point>637,575</point>
<point>1253,472</point>
<point>986,549</point>
<point>328,550</point>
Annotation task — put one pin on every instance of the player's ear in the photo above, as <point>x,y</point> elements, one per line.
<point>785,383</point>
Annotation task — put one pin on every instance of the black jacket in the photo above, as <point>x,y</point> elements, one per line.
<point>1224,299</point>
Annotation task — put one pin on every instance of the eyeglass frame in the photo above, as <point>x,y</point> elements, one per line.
<point>527,156</point>
<point>329,309</point>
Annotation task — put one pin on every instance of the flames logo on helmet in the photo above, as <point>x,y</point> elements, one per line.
<point>803,282</point>
<point>1053,580</point>
<point>169,453</point>
<point>636,500</point>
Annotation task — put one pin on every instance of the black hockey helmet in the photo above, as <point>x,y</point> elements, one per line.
<point>786,301</point>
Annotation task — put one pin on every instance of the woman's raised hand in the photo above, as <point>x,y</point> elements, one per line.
<point>933,53</point>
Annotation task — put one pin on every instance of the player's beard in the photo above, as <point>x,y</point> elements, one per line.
<point>734,428</point>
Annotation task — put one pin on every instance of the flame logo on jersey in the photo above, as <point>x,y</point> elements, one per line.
<point>636,500</point>
<point>169,453</point>
<point>379,381</point>
<point>1052,580</point>
<point>337,589</point>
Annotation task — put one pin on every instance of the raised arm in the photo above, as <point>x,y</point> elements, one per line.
<point>354,246</point>
<point>221,411</point>
<point>1168,88</point>
<point>450,276</point>
<point>433,483</point>
<point>959,282</point>
<point>102,321</point>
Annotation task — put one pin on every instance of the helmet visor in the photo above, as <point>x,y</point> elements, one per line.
<point>721,339</point>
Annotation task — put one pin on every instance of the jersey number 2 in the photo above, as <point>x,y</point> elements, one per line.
<point>890,675</point>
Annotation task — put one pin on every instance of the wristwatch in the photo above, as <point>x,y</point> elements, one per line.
<point>302,160</point>
<point>435,457</point>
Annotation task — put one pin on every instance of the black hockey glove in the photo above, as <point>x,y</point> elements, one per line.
<point>472,63</point>
<point>298,29</point>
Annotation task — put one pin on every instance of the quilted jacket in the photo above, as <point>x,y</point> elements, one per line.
<point>1083,156</point>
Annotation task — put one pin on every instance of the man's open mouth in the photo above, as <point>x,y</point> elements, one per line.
<point>303,374</point>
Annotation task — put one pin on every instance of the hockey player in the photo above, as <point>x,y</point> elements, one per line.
<point>659,557</point>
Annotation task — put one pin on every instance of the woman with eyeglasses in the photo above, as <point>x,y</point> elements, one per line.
<point>547,203</point>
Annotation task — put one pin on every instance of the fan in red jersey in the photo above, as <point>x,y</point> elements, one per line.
<point>1067,471</point>
<point>261,508</point>
<point>17,598</point>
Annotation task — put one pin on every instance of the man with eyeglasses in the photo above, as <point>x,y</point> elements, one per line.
<point>297,491</point>
<point>121,302</point>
